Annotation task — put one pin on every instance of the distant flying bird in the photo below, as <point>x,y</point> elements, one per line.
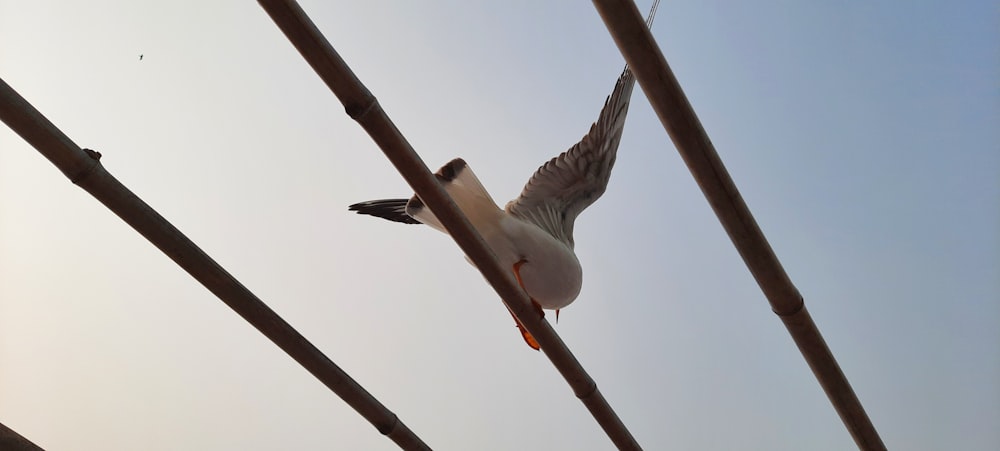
<point>140,57</point>
<point>533,234</point>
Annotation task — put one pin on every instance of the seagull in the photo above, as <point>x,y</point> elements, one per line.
<point>533,234</point>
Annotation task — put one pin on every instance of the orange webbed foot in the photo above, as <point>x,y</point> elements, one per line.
<point>530,340</point>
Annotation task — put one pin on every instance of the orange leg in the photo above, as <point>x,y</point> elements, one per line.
<point>517,275</point>
<point>530,340</point>
<point>517,272</point>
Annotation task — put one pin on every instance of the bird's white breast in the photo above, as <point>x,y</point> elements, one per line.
<point>551,274</point>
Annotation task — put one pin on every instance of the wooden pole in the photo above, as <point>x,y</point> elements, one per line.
<point>83,167</point>
<point>12,441</point>
<point>626,26</point>
<point>362,106</point>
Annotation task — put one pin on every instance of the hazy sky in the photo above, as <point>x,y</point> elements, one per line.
<point>863,135</point>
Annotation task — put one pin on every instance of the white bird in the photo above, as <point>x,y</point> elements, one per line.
<point>533,234</point>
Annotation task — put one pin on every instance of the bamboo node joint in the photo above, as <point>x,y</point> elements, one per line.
<point>359,113</point>
<point>79,176</point>
<point>588,392</point>
<point>800,304</point>
<point>93,154</point>
<point>387,429</point>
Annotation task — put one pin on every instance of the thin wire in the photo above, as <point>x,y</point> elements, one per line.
<point>679,119</point>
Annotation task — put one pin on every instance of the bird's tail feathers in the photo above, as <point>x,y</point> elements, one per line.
<point>391,209</point>
<point>467,191</point>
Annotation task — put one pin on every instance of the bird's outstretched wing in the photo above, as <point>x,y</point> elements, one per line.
<point>570,182</point>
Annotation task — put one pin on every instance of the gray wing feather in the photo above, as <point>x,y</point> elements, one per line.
<point>570,182</point>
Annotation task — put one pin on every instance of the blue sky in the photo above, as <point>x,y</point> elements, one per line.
<point>862,135</point>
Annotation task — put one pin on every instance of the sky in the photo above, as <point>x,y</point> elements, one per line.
<point>863,136</point>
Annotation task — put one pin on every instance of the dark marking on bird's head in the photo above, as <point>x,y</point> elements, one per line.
<point>415,204</point>
<point>451,170</point>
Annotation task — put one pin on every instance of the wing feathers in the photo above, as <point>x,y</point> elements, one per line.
<point>567,184</point>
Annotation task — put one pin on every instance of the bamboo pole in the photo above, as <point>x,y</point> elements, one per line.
<point>83,167</point>
<point>625,24</point>
<point>10,440</point>
<point>362,106</point>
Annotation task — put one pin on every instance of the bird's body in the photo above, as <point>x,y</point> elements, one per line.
<point>551,273</point>
<point>533,234</point>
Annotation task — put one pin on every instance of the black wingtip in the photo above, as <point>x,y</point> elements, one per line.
<point>391,209</point>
